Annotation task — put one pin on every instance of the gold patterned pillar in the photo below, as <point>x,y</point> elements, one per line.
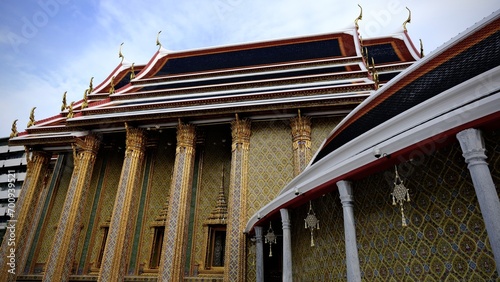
<point>301,134</point>
<point>60,262</point>
<point>119,239</point>
<point>173,255</point>
<point>16,243</point>
<point>235,260</point>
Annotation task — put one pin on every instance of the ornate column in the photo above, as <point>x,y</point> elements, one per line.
<point>301,134</point>
<point>259,254</point>
<point>234,266</point>
<point>474,154</point>
<point>64,245</point>
<point>287,246</point>
<point>121,228</point>
<point>173,255</point>
<point>351,249</point>
<point>19,235</point>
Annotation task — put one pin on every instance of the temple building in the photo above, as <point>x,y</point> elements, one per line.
<point>220,164</point>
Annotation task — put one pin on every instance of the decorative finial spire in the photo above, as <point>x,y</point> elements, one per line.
<point>219,213</point>
<point>132,72</point>
<point>158,40</point>
<point>112,85</point>
<point>70,110</point>
<point>360,17</point>
<point>85,103</point>
<point>407,20</point>
<point>91,87</point>
<point>31,122</point>
<point>421,49</point>
<point>13,130</point>
<point>63,106</point>
<point>120,55</point>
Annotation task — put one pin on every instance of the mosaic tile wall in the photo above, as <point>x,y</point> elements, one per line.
<point>88,208</point>
<point>271,144</point>
<point>107,198</point>
<point>159,186</point>
<point>52,218</point>
<point>270,162</point>
<point>445,239</point>
<point>216,154</point>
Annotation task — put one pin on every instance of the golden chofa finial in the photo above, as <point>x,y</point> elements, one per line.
<point>360,17</point>
<point>70,110</point>
<point>158,40</point>
<point>421,49</point>
<point>132,72</point>
<point>85,102</point>
<point>63,106</point>
<point>31,122</point>
<point>112,86</point>
<point>91,87</point>
<point>120,55</point>
<point>408,20</point>
<point>13,130</point>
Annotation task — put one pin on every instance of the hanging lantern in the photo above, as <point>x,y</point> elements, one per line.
<point>400,194</point>
<point>270,239</point>
<point>311,222</point>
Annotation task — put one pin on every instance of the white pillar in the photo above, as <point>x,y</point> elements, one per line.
<point>259,254</point>
<point>287,246</point>
<point>474,154</point>
<point>351,249</point>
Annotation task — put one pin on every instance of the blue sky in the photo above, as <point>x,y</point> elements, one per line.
<point>48,47</point>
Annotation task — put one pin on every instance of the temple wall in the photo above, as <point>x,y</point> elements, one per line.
<point>161,162</point>
<point>114,161</point>
<point>445,237</point>
<point>214,155</point>
<point>51,220</point>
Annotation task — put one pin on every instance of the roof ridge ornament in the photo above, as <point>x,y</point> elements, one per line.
<point>421,48</point>
<point>360,17</point>
<point>112,85</point>
<point>120,54</point>
<point>132,72</point>
<point>85,102</point>
<point>158,43</point>
<point>91,87</point>
<point>408,20</point>
<point>13,129</point>
<point>70,114</point>
<point>64,106</point>
<point>32,121</point>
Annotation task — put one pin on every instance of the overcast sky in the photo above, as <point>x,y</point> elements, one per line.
<point>48,47</point>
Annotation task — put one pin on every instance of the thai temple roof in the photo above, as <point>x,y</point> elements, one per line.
<point>423,107</point>
<point>330,72</point>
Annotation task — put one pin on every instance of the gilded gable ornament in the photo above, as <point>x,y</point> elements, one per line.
<point>132,72</point>
<point>13,129</point>
<point>112,86</point>
<point>400,194</point>
<point>158,40</point>
<point>85,102</point>
<point>311,222</point>
<point>32,122</point>
<point>63,106</point>
<point>408,20</point>
<point>120,54</point>
<point>70,110</point>
<point>360,17</point>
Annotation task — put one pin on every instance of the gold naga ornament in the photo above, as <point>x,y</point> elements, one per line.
<point>64,106</point>
<point>32,121</point>
<point>408,20</point>
<point>13,130</point>
<point>400,194</point>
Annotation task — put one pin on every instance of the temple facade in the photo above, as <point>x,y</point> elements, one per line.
<point>207,164</point>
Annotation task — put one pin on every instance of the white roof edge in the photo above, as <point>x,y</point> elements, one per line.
<point>416,65</point>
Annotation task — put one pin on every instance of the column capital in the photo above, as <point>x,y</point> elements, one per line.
<point>136,139</point>
<point>345,191</point>
<point>285,218</point>
<point>240,132</point>
<point>301,131</point>
<point>472,145</point>
<point>258,234</point>
<point>186,135</point>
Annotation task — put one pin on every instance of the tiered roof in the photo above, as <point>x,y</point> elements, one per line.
<point>326,73</point>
